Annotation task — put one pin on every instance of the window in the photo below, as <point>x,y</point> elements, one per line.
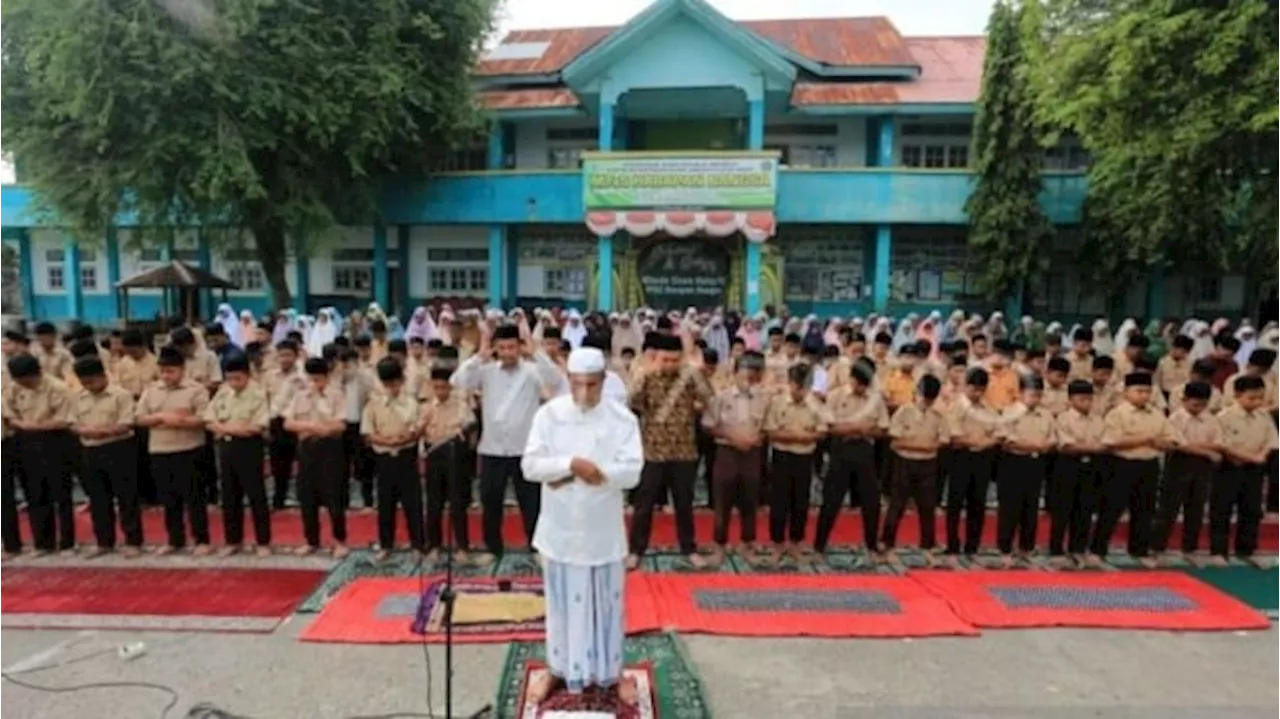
<point>912,156</point>
<point>353,254</point>
<point>958,156</point>
<point>811,156</point>
<point>929,264</point>
<point>89,277</point>
<point>564,158</point>
<point>822,265</point>
<point>565,281</point>
<point>1210,290</point>
<point>248,277</point>
<point>352,279</point>
<point>55,278</point>
<point>458,254</point>
<point>935,156</point>
<point>565,146</point>
<point>1067,155</point>
<point>457,280</point>
<point>935,144</point>
<point>56,270</point>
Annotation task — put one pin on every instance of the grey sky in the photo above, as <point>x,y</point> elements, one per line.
<point>912,17</point>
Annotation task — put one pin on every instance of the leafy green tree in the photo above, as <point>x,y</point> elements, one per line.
<point>282,117</point>
<point>1008,230</point>
<point>1176,100</point>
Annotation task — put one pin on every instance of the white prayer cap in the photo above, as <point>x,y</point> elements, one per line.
<point>586,360</point>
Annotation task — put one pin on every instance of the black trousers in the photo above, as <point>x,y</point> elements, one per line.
<point>1188,480</point>
<point>240,460</point>
<point>970,476</point>
<point>322,481</point>
<point>45,458</point>
<point>655,478</point>
<point>284,450</point>
<point>914,480</point>
<point>1238,490</point>
<point>13,478</point>
<point>1018,490</point>
<point>707,460</point>
<point>207,471</point>
<point>110,478</point>
<point>178,480</point>
<point>359,462</point>
<point>851,471</point>
<point>495,474</point>
<point>1076,480</point>
<point>148,493</point>
<point>1132,485</point>
<point>448,480</point>
<point>399,483</point>
<point>792,474</point>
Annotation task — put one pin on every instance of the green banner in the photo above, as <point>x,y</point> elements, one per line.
<point>714,181</point>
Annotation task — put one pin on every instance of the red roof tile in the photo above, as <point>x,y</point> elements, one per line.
<point>950,71</point>
<point>838,42</point>
<point>526,98</point>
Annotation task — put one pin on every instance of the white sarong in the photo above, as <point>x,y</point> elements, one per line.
<point>584,622</point>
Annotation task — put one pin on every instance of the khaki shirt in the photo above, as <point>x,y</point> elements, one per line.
<point>1200,428</point>
<point>113,406</point>
<point>1172,373</point>
<point>776,365</point>
<point>389,416</point>
<point>1021,423</point>
<point>1247,432</point>
<point>786,414</point>
<point>844,406</point>
<point>840,373</point>
<point>281,386</point>
<point>915,424</point>
<point>249,406</point>
<point>1216,400</point>
<point>204,368</point>
<point>1105,399</point>
<point>1074,429</point>
<point>55,363</point>
<point>312,406</point>
<point>188,397</point>
<point>1081,367</point>
<point>1268,391</point>
<point>443,420</point>
<point>735,409</point>
<point>972,421</point>
<point>48,402</point>
<point>136,375</point>
<point>1055,399</point>
<point>1129,422</point>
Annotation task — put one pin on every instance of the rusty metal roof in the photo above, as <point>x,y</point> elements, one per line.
<point>565,45</point>
<point>950,71</point>
<point>527,98</point>
<point>838,42</point>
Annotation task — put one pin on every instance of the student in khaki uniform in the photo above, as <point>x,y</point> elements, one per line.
<point>1082,359</point>
<point>446,418</point>
<point>12,469</point>
<point>1027,437</point>
<point>735,420</point>
<point>55,360</point>
<point>318,417</point>
<point>1201,371</point>
<point>916,431</point>
<point>794,422</point>
<point>1137,435</point>
<point>238,417</point>
<point>281,382</point>
<point>705,441</point>
<point>1077,475</point>
<point>358,383</point>
<point>1105,396</point>
<point>391,425</point>
<point>135,371</point>
<point>1259,364</point>
<point>201,365</point>
<point>1174,369</point>
<point>1248,438</point>
<point>858,417</point>
<point>1189,471</point>
<point>972,426</point>
<point>1056,398</point>
<point>1146,364</point>
<point>173,409</point>
<point>36,407</point>
<point>102,415</point>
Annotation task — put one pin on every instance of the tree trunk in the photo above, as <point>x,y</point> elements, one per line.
<point>273,253</point>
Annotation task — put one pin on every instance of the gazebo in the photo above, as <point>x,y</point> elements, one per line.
<point>180,282</point>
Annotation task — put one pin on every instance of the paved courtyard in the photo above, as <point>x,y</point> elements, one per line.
<point>1050,673</point>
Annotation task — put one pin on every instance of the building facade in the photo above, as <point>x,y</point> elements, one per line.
<point>680,159</point>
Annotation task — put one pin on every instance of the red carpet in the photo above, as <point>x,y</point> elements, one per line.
<point>286,529</point>
<point>30,594</point>
<point>382,611</point>
<point>792,605</point>
<point>1118,600</point>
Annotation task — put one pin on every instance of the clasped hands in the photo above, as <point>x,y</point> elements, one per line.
<point>583,469</point>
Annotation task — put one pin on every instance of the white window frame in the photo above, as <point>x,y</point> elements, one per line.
<point>919,137</point>
<point>568,143</point>
<point>464,274</point>
<point>55,264</point>
<point>807,145</point>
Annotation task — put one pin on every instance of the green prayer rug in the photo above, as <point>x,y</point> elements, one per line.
<point>359,565</point>
<point>677,690</point>
<point>1259,588</point>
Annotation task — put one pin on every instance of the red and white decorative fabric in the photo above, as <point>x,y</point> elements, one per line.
<point>755,226</point>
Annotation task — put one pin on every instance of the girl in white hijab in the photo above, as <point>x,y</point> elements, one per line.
<point>574,331</point>
<point>905,334</point>
<point>717,336</point>
<point>324,333</point>
<point>1102,342</point>
<point>1198,330</point>
<point>1125,333</point>
<point>227,318</point>
<point>1248,337</point>
<point>245,330</point>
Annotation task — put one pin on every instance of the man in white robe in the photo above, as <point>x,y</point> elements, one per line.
<point>585,453</point>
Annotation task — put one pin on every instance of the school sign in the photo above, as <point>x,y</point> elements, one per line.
<point>719,181</point>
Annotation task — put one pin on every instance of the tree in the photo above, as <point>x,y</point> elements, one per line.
<point>1008,230</point>
<point>1176,100</point>
<point>281,117</point>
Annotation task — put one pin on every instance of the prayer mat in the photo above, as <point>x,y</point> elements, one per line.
<point>518,564</point>
<point>404,610</point>
<point>1120,600</point>
<point>247,600</point>
<point>799,605</point>
<point>360,565</point>
<point>668,683</point>
<point>674,562</point>
<point>1259,588</point>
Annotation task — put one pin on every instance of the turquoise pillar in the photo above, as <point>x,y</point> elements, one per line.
<point>497,151</point>
<point>301,275</point>
<point>604,273</point>
<point>751,303</point>
<point>606,127</point>
<point>205,257</point>
<point>885,156</point>
<point>405,298</point>
<point>880,282</point>
<point>113,267</point>
<point>1154,304</point>
<point>71,279</point>
<point>497,256</point>
<point>26,271</point>
<point>755,124</point>
<point>381,278</point>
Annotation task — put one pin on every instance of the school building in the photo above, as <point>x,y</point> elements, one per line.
<point>681,159</point>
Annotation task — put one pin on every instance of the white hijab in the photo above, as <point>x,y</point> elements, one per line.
<point>574,330</point>
<point>1127,328</point>
<point>1102,342</point>
<point>324,333</point>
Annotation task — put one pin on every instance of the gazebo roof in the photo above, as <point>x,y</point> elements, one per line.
<point>177,274</point>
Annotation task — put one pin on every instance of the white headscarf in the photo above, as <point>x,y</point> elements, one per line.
<point>1127,328</point>
<point>1248,337</point>
<point>324,333</point>
<point>574,331</point>
<point>1102,342</point>
<point>1198,330</point>
<point>717,337</point>
<point>227,318</point>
